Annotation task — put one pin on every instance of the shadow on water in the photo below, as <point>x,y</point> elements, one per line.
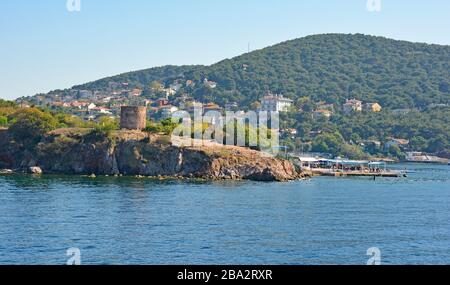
<point>26,181</point>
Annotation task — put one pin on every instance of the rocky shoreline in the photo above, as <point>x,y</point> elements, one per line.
<point>139,154</point>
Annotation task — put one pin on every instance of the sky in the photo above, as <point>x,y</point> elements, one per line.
<point>46,46</point>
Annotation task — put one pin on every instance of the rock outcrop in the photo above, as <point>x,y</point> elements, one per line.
<point>140,154</point>
<point>35,170</point>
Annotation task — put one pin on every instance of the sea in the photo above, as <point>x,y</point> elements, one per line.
<point>324,220</point>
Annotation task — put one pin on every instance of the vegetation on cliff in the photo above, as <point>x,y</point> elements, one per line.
<point>77,151</point>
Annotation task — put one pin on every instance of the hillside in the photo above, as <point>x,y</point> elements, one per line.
<point>330,67</point>
<point>411,81</point>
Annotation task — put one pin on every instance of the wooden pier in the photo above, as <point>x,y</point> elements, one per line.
<point>329,172</point>
<point>347,168</point>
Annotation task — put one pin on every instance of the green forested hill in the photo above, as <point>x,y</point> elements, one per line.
<point>329,67</point>
<point>412,78</point>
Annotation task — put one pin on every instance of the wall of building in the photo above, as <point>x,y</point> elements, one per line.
<point>133,117</point>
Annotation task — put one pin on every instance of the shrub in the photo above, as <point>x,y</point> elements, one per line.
<point>165,126</point>
<point>29,125</point>
<point>4,103</point>
<point>3,121</point>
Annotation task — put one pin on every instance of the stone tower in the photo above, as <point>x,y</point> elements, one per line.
<point>133,117</point>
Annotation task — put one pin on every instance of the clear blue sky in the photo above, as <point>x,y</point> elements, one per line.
<point>45,47</point>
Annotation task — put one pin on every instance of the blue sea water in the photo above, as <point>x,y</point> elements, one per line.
<point>323,220</point>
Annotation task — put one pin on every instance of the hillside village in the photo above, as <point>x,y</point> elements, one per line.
<point>350,95</point>
<point>162,102</point>
<point>91,105</point>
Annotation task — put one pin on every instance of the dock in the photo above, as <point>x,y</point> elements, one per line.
<point>329,172</point>
<point>348,168</point>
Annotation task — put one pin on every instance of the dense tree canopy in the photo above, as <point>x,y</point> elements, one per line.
<point>329,68</point>
<point>30,124</point>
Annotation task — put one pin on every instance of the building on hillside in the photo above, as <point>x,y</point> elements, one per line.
<point>170,92</point>
<point>315,133</point>
<point>56,104</point>
<point>91,106</point>
<point>275,103</point>
<point>162,102</point>
<point>352,105</point>
<point>212,107</point>
<point>401,143</point>
<point>291,132</point>
<point>210,84</point>
<point>190,83</point>
<point>78,104</point>
<point>372,107</point>
<point>176,86</point>
<point>325,106</point>
<point>135,92</point>
<point>232,106</point>
<point>166,112</point>
<point>100,110</point>
<point>322,114</point>
<point>106,99</point>
<point>370,145</point>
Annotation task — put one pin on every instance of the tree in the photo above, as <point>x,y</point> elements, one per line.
<point>156,86</point>
<point>107,124</point>
<point>165,126</point>
<point>29,125</point>
<point>395,151</point>
<point>438,144</point>
<point>418,143</point>
<point>328,142</point>
<point>3,121</point>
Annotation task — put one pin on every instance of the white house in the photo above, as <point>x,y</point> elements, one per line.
<point>210,84</point>
<point>275,103</point>
<point>176,86</point>
<point>91,106</point>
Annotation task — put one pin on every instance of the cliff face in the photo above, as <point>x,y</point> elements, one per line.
<point>137,153</point>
